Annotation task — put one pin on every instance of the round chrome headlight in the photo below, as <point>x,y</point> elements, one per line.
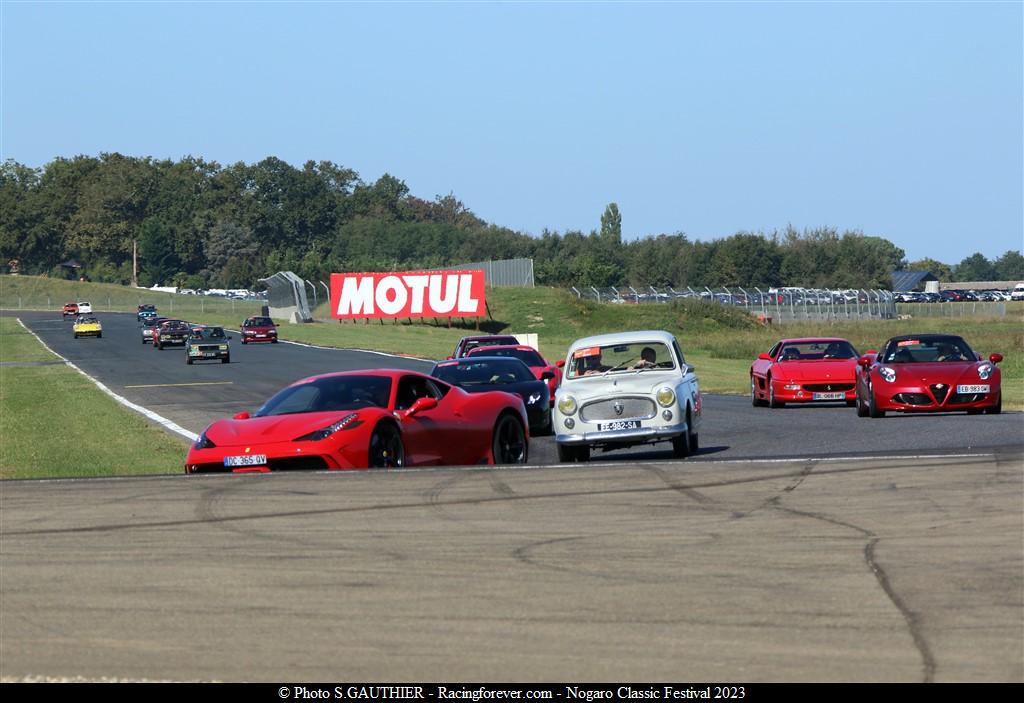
<point>984,371</point>
<point>567,405</point>
<point>666,397</point>
<point>887,373</point>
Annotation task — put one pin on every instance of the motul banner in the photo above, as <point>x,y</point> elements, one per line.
<point>408,294</point>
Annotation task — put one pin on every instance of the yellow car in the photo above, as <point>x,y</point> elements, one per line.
<point>87,326</point>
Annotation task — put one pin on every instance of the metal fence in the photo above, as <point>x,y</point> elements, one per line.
<point>286,297</point>
<point>773,305</point>
<point>507,273</point>
<point>968,309</point>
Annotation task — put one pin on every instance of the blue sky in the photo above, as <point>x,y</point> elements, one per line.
<point>902,120</point>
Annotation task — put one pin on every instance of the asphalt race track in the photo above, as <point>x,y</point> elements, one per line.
<point>858,560</point>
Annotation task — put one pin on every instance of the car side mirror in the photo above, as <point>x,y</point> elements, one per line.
<point>765,356</point>
<point>560,363</point>
<point>995,358</point>
<point>240,416</point>
<point>420,405</point>
<point>547,375</point>
<point>864,361</point>
<point>449,358</point>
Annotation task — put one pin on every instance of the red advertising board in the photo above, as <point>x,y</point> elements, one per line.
<point>408,294</point>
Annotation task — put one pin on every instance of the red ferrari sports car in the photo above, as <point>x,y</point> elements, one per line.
<point>928,373</point>
<point>529,356</point>
<point>804,371</point>
<point>366,419</point>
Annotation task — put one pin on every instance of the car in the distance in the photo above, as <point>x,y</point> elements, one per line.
<point>623,389</point>
<point>170,332</point>
<point>467,343</point>
<point>145,310</point>
<point>928,373</point>
<point>70,310</point>
<point>1018,292</point>
<point>208,343</point>
<point>259,329</point>
<point>805,370</point>
<point>87,326</point>
<point>478,373</point>
<point>149,325</point>
<point>529,356</point>
<point>84,307</point>
<point>379,418</point>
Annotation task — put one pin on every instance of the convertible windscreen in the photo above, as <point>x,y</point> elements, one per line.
<point>620,358</point>
<point>927,350</point>
<point>330,393</point>
<point>527,356</point>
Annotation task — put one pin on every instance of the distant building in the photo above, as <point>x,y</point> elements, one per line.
<point>903,281</point>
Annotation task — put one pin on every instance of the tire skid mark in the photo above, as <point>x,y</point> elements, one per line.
<point>482,500</point>
<point>681,488</point>
<point>912,619</point>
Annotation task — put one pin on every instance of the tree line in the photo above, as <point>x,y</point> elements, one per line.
<point>199,224</point>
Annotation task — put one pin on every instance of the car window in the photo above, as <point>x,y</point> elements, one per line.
<point>928,350</point>
<point>412,388</point>
<point>489,372</point>
<point>527,356</point>
<point>817,350</point>
<point>619,358</point>
<point>330,393</point>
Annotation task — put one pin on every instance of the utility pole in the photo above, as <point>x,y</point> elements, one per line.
<point>135,263</point>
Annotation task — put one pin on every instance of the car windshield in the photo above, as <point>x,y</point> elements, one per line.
<point>330,393</point>
<point>487,342</point>
<point>209,333</point>
<point>259,322</point>
<point>175,325</point>
<point>927,349</point>
<point>818,350</point>
<point>527,356</point>
<point>620,358</point>
<point>484,372</point>
<point>87,320</point>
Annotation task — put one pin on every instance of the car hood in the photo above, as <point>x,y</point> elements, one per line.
<point>942,372</point>
<point>814,370</point>
<point>642,383</point>
<point>276,428</point>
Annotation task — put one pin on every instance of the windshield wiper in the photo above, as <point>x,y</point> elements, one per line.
<point>619,367</point>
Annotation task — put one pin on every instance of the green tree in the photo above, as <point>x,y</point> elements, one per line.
<point>611,224</point>
<point>156,252</point>
<point>975,268</point>
<point>941,271</point>
<point>1009,266</point>
<point>230,252</point>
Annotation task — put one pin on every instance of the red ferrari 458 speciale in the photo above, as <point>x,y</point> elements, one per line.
<point>804,371</point>
<point>366,419</point>
<point>928,373</point>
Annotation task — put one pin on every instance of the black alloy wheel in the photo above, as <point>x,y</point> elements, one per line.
<point>508,445</point>
<point>386,449</point>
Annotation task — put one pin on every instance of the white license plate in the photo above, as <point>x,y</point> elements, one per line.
<point>247,460</point>
<point>618,425</point>
<point>261,335</point>
<point>829,396</point>
<point>973,389</point>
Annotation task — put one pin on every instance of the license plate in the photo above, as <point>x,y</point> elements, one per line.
<point>618,425</point>
<point>973,389</point>
<point>829,396</point>
<point>247,460</point>
<point>261,335</point>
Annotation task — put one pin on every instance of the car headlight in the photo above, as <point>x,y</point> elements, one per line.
<point>984,371</point>
<point>348,421</point>
<point>203,442</point>
<point>567,405</point>
<point>534,397</point>
<point>666,397</point>
<point>223,347</point>
<point>887,373</point>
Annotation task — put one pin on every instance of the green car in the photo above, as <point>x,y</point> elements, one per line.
<point>208,343</point>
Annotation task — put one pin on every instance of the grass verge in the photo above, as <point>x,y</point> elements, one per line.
<point>55,423</point>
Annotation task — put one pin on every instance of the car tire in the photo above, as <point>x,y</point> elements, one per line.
<point>694,443</point>
<point>997,408</point>
<point>873,410</point>
<point>243,341</point>
<point>851,403</point>
<point>754,400</point>
<point>226,360</point>
<point>681,444</point>
<point>386,450</point>
<point>188,359</point>
<point>571,454</point>
<point>862,408</point>
<point>772,403</point>
<point>508,442</point>
<point>76,335</point>
<point>160,346</point>
<point>274,340</point>
<point>99,335</point>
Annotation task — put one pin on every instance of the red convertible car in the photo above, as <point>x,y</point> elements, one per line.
<point>366,419</point>
<point>804,371</point>
<point>529,356</point>
<point>928,373</point>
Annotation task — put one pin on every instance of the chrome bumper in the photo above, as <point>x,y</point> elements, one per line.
<point>642,434</point>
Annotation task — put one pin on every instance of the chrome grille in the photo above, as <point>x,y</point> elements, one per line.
<point>632,409</point>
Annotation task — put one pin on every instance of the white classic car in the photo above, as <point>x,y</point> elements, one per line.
<point>624,389</point>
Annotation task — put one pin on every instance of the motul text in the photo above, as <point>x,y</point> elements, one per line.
<point>408,294</point>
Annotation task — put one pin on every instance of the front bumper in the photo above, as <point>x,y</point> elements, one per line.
<point>639,435</point>
<point>281,456</point>
<point>921,399</point>
<point>807,389</point>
